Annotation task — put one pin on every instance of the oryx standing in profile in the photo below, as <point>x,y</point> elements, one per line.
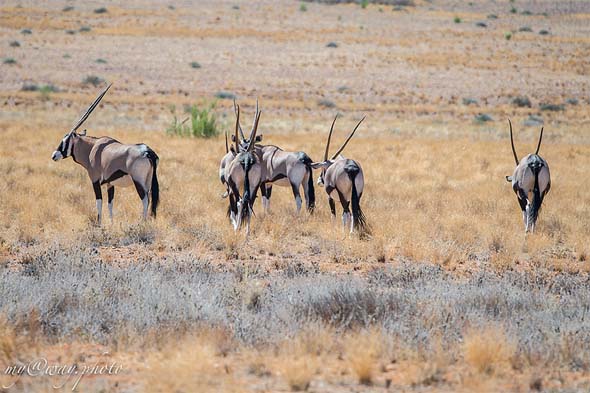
<point>531,181</point>
<point>112,163</point>
<point>243,173</point>
<point>343,178</point>
<point>283,168</point>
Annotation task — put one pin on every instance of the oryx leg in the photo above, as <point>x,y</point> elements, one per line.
<point>332,207</point>
<point>306,190</point>
<point>98,196</point>
<point>143,195</point>
<point>297,195</point>
<point>235,205</point>
<point>523,201</point>
<point>346,213</point>
<point>111,196</point>
<point>264,195</point>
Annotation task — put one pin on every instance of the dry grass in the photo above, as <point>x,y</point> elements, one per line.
<point>300,304</point>
<point>488,350</point>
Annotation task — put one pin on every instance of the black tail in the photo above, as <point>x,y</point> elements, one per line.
<point>306,160</point>
<point>155,191</point>
<point>246,196</point>
<point>535,208</point>
<point>310,190</point>
<point>360,222</point>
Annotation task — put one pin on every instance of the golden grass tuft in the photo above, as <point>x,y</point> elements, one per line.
<point>489,350</point>
<point>363,350</point>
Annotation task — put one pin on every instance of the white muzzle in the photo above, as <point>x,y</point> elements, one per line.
<point>56,156</point>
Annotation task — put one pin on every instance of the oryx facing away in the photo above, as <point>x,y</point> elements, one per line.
<point>243,173</point>
<point>531,181</point>
<point>283,168</point>
<point>112,163</point>
<point>343,178</point>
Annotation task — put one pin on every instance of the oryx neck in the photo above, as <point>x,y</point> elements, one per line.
<point>81,150</point>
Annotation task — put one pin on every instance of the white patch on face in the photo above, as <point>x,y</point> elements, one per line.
<point>56,156</point>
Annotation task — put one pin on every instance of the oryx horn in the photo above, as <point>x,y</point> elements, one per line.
<point>239,125</point>
<point>348,139</point>
<point>540,138</point>
<point>237,141</point>
<point>91,108</point>
<point>512,143</point>
<point>254,129</point>
<point>330,137</point>
<point>226,145</point>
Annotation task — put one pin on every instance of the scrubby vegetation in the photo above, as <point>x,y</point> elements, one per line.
<point>200,123</point>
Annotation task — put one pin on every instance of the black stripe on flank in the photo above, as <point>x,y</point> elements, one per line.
<point>117,175</point>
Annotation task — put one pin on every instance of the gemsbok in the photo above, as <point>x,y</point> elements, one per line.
<point>531,181</point>
<point>283,168</point>
<point>112,163</point>
<point>243,173</point>
<point>343,178</point>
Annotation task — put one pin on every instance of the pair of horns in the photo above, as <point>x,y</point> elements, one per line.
<point>345,142</point>
<point>91,108</point>
<point>512,142</point>
<point>239,128</point>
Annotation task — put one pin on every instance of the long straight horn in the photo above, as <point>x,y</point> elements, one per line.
<point>330,137</point>
<point>239,125</point>
<point>237,141</point>
<point>255,121</point>
<point>540,139</point>
<point>349,138</point>
<point>512,143</point>
<point>226,145</point>
<point>254,129</point>
<point>91,108</point>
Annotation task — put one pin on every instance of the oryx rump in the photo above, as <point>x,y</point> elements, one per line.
<point>343,179</point>
<point>531,181</point>
<point>243,173</point>
<point>111,163</point>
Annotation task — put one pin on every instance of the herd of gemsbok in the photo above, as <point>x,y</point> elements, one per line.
<point>249,166</point>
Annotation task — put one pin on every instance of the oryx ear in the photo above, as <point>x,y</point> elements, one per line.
<point>509,179</point>
<point>318,165</point>
<point>258,138</point>
<point>232,149</point>
<point>83,133</point>
<point>233,138</point>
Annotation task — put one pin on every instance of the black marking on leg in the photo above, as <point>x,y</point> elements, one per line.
<point>329,189</point>
<point>268,191</point>
<point>345,204</point>
<point>97,190</point>
<point>111,194</point>
<point>332,206</point>
<point>117,175</point>
<point>140,190</point>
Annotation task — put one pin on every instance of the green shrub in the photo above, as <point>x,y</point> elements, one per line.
<point>364,3</point>
<point>85,29</point>
<point>513,10</point>
<point>225,95</point>
<point>508,35</point>
<point>14,44</point>
<point>9,60</point>
<point>201,123</point>
<point>525,29</point>
<point>483,118</point>
<point>469,101</point>
<point>552,107</point>
<point>195,64</point>
<point>100,61</point>
<point>101,10</point>
<point>522,102</point>
<point>26,31</point>
<point>93,80</point>
<point>302,7</point>
<point>67,8</point>
<point>457,19</point>
<point>544,32</point>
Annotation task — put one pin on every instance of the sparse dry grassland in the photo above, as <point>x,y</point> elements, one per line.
<point>447,295</point>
